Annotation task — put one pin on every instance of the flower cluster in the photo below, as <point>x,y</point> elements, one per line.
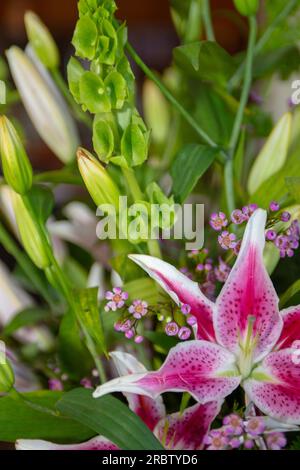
<point>237,433</point>
<point>205,271</point>
<point>132,313</point>
<point>286,240</point>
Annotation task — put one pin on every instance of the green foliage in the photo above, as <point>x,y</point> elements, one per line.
<point>205,60</point>
<point>189,165</point>
<point>34,417</point>
<point>109,417</point>
<point>29,316</point>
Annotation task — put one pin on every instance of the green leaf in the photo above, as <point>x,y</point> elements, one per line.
<point>29,316</point>
<point>109,417</point>
<point>73,354</point>
<point>88,312</point>
<point>293,187</point>
<point>275,187</point>
<point>85,37</point>
<point>273,155</point>
<point>103,139</point>
<point>134,145</point>
<point>161,341</point>
<point>189,165</point>
<point>93,94</point>
<point>205,60</point>
<point>20,420</point>
<point>116,86</point>
<point>75,72</point>
<point>143,288</point>
<point>42,201</point>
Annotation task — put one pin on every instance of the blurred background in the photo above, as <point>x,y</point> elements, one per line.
<point>150,30</point>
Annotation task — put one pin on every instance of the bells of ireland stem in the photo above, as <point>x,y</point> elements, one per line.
<point>7,378</point>
<point>44,104</point>
<point>15,163</point>
<point>33,237</point>
<point>98,182</point>
<point>247,7</point>
<point>41,40</point>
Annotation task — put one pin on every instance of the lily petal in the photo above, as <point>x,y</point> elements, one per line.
<point>97,443</point>
<point>249,295</point>
<point>182,290</point>
<point>274,386</point>
<point>187,430</point>
<point>291,327</point>
<point>205,370</point>
<point>149,410</point>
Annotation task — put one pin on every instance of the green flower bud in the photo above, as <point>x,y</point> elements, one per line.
<point>15,163</point>
<point>33,238</point>
<point>44,104</point>
<point>41,40</point>
<point>246,7</point>
<point>98,182</point>
<point>7,378</point>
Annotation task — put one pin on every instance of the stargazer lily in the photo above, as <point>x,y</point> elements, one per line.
<point>181,431</point>
<point>242,338</point>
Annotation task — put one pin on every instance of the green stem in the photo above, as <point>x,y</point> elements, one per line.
<point>237,77</point>
<point>133,184</point>
<point>246,85</point>
<point>24,262</point>
<point>193,25</point>
<point>228,170</point>
<point>207,20</point>
<point>229,185</point>
<point>134,187</point>
<point>184,113</point>
<point>77,111</point>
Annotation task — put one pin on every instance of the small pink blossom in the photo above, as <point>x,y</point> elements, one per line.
<point>276,440</point>
<point>248,443</point>
<point>200,267</point>
<point>274,206</point>
<point>184,333</point>
<point>139,339</point>
<point>191,320</point>
<point>218,221</point>
<point>238,217</point>
<point>116,299</point>
<point>227,240</point>
<point>285,216</point>
<point>235,442</point>
<point>222,271</point>
<point>216,440</point>
<point>271,235</point>
<point>139,309</point>
<point>86,383</point>
<point>125,326</point>
<point>129,334</point>
<point>255,426</point>
<point>185,309</point>
<point>171,328</point>
<point>233,424</point>
<point>55,384</point>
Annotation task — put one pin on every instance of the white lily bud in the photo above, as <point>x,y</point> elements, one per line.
<point>44,103</point>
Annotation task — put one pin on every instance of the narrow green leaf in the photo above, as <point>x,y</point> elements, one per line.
<point>273,155</point>
<point>88,311</point>
<point>289,293</point>
<point>109,417</point>
<point>189,165</point>
<point>20,420</point>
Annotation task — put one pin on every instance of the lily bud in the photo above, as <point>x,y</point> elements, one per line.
<point>15,163</point>
<point>7,377</point>
<point>99,184</point>
<point>44,103</point>
<point>246,7</point>
<point>41,40</point>
<point>32,236</point>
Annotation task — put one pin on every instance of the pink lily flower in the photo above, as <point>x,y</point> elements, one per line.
<point>181,431</point>
<point>242,338</point>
